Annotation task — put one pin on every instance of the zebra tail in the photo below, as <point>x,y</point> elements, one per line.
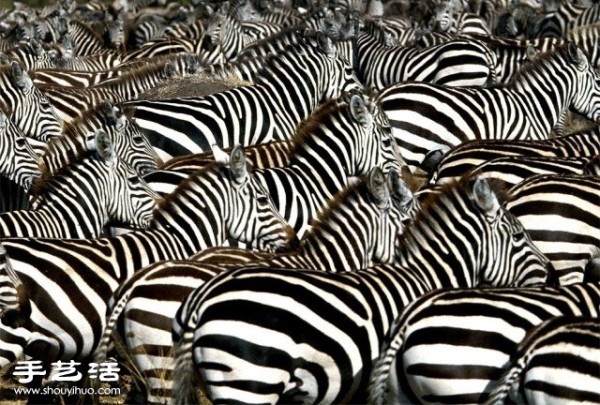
<point>184,387</point>
<point>507,383</point>
<point>101,351</point>
<point>379,383</point>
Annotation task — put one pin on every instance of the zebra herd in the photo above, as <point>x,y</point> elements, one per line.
<point>380,202</point>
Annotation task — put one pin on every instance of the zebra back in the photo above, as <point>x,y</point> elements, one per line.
<point>420,337</point>
<point>546,360</point>
<point>511,170</point>
<point>71,78</point>
<point>345,316</point>
<point>466,156</point>
<point>570,204</point>
<point>270,154</point>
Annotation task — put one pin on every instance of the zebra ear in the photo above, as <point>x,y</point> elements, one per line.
<point>192,62</point>
<point>398,189</point>
<point>325,44</point>
<point>359,110</point>
<point>20,77</point>
<point>237,164</point>
<point>531,52</point>
<point>4,61</point>
<point>36,47</point>
<point>378,186</point>
<point>576,56</point>
<point>221,157</point>
<point>485,198</point>
<point>105,147</point>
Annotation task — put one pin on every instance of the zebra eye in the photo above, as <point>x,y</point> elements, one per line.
<point>138,139</point>
<point>134,180</point>
<point>21,142</point>
<point>518,234</point>
<point>263,199</point>
<point>386,142</point>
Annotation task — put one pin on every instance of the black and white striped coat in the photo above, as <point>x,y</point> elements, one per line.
<point>446,338</point>
<point>324,330</point>
<point>69,282</point>
<point>428,117</point>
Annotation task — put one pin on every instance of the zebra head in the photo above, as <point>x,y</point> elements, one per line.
<point>463,237</point>
<point>25,104</point>
<point>509,257</point>
<point>338,76</point>
<point>130,200</point>
<point>15,308</point>
<point>18,160</point>
<point>374,142</point>
<point>129,141</point>
<point>389,215</point>
<point>252,216</point>
<point>586,92</point>
<point>442,18</point>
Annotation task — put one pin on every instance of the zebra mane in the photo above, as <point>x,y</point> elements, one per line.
<point>72,141</point>
<point>45,182</point>
<point>458,189</point>
<point>308,126</point>
<point>539,64</point>
<point>584,30</point>
<point>289,33</point>
<point>171,201</point>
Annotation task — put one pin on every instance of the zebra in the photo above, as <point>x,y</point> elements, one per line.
<point>69,301</point>
<point>363,207</point>
<point>324,330</point>
<point>270,154</point>
<point>94,189</point>
<point>570,204</point>
<point>427,117</point>
<point>14,304</point>
<point>230,117</point>
<point>18,161</point>
<point>71,78</point>
<point>511,170</point>
<point>451,345</point>
<point>454,63</point>
<point>129,142</point>
<point>551,362</point>
<point>557,23</point>
<point>25,105</point>
<point>71,102</point>
<point>204,46</point>
<point>341,139</point>
<point>470,154</point>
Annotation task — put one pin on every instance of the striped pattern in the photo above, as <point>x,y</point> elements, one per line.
<point>484,326</point>
<point>454,63</point>
<point>571,205</point>
<point>25,105</point>
<point>69,281</point>
<point>558,361</point>
<point>428,117</point>
<point>80,201</point>
<point>307,76</point>
<point>314,335</point>
<point>466,156</point>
